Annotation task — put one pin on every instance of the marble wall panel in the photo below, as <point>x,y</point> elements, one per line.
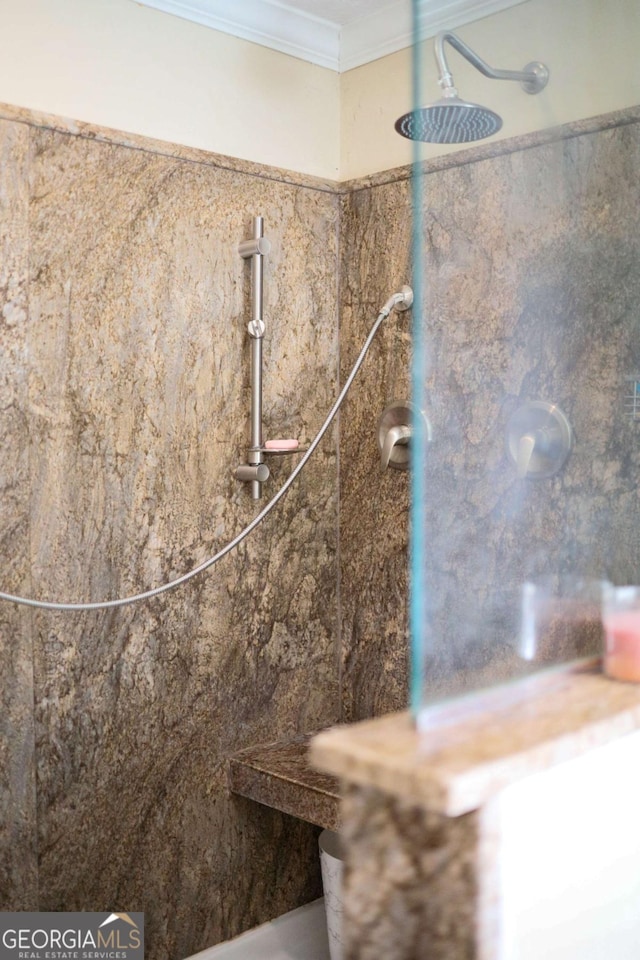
<point>531,262</point>
<point>139,392</point>
<point>531,284</point>
<point>18,864</point>
<point>126,402</point>
<point>374,504</point>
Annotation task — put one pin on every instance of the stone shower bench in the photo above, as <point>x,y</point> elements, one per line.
<point>279,776</point>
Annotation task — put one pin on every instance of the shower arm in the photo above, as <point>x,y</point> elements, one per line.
<point>533,78</point>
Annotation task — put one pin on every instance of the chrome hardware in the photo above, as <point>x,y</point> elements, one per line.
<point>255,248</point>
<point>533,78</point>
<point>399,301</point>
<point>395,447</point>
<point>254,473</point>
<point>404,301</point>
<point>539,80</point>
<point>539,439</point>
<point>395,430</point>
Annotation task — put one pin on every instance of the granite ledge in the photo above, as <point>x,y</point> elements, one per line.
<point>279,775</point>
<point>163,148</point>
<point>472,749</point>
<point>456,158</point>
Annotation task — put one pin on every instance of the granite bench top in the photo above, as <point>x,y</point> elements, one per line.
<point>469,750</point>
<point>279,775</point>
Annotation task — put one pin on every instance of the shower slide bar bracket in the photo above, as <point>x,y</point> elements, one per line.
<point>255,471</point>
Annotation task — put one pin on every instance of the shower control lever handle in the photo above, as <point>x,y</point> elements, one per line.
<point>539,439</point>
<point>396,428</point>
<point>526,446</point>
<point>395,435</point>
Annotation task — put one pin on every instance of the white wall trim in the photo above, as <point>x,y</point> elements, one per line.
<point>277,25</point>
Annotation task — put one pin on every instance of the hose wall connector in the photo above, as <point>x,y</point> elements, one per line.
<point>400,301</point>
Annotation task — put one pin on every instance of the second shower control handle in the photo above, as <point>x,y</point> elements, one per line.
<point>539,439</point>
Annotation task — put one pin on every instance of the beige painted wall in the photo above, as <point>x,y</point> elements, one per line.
<point>590,47</point>
<point>115,63</point>
<point>121,65</point>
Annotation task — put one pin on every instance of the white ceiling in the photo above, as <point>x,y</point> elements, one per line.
<point>338,34</point>
<point>340,11</point>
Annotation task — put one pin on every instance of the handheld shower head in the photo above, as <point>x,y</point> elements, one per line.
<point>451,120</point>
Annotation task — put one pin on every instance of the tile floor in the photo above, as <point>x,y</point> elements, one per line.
<point>298,935</point>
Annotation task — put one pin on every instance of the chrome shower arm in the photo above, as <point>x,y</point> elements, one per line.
<point>533,78</point>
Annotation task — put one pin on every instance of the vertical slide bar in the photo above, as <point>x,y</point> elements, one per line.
<point>255,455</point>
<point>256,272</point>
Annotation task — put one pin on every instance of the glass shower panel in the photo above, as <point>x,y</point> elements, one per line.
<point>526,338</point>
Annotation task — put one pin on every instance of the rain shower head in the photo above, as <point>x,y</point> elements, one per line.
<point>451,120</point>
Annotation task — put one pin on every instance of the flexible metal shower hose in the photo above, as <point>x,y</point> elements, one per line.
<point>171,585</point>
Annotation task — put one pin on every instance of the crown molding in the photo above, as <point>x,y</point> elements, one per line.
<point>277,25</point>
<point>376,35</point>
<point>390,29</point>
<point>267,22</point>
